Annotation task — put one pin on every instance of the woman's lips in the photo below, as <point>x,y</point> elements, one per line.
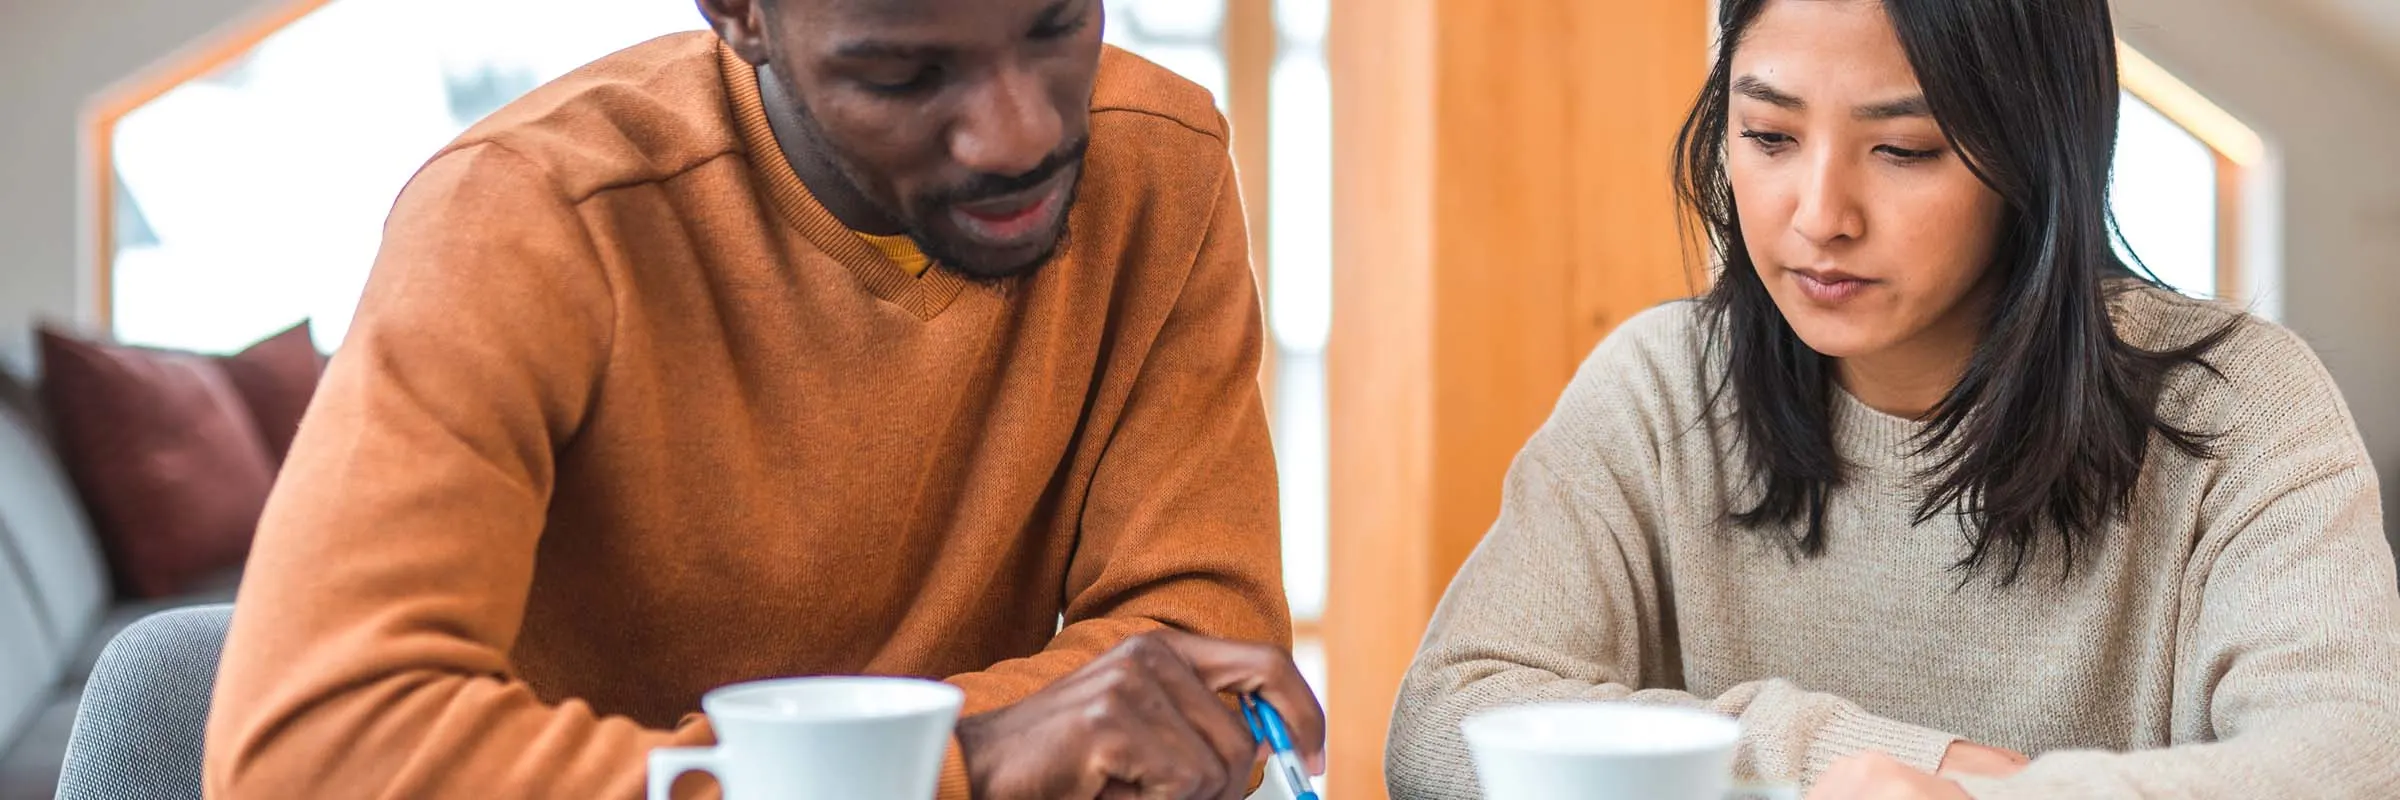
<point>1828,287</point>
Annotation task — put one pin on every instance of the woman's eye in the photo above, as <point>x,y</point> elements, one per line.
<point>1768,141</point>
<point>1905,154</point>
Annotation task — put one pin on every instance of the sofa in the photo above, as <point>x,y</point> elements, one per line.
<point>73,571</point>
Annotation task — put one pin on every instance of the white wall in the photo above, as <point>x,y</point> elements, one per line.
<point>2327,103</point>
<point>54,56</point>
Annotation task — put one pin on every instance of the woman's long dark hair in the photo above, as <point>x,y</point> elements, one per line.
<point>2043,438</point>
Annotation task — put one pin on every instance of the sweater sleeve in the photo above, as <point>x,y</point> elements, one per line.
<point>2292,621</point>
<point>1179,526</point>
<point>369,656</point>
<point>1562,602</point>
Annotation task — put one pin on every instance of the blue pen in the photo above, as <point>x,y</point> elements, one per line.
<point>1267,726</point>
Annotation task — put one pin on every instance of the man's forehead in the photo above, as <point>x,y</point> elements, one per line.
<point>926,14</point>
<point>892,10</point>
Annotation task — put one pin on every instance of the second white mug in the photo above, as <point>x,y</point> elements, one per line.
<point>1602,751</point>
<point>807,738</point>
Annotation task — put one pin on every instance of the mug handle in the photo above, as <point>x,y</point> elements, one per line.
<point>669,763</point>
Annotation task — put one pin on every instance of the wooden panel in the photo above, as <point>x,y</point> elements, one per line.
<point>2229,231</point>
<point>1501,199</point>
<point>1625,195</point>
<point>1379,370</point>
<point>1250,41</point>
<point>99,190</point>
<point>1504,253</point>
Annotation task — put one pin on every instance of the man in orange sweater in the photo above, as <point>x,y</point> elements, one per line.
<point>909,337</point>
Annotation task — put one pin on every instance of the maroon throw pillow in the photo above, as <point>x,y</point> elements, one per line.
<point>276,378</point>
<point>162,448</point>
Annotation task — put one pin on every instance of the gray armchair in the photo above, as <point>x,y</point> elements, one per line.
<point>144,714</point>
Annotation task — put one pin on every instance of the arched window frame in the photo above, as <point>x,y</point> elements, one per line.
<point>2242,167</point>
<point>103,112</point>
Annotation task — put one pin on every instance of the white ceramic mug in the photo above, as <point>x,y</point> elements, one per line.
<point>808,738</point>
<point>1602,751</point>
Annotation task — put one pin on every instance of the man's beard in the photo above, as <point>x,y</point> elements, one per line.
<point>922,208</point>
<point>918,213</point>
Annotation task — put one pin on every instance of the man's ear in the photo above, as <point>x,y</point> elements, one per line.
<point>742,24</point>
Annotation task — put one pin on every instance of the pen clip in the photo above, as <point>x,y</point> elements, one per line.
<point>1258,727</point>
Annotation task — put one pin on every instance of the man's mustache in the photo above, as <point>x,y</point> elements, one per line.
<point>986,187</point>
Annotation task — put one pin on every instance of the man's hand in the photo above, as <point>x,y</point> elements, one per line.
<point>1981,760</point>
<point>1875,776</point>
<point>1143,720</point>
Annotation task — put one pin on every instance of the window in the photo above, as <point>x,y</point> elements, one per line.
<point>1300,290</point>
<point>1185,36</point>
<point>255,196</point>
<point>2163,191</point>
<point>1190,37</point>
<point>2178,189</point>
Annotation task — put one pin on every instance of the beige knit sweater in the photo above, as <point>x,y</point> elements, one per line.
<point>2236,635</point>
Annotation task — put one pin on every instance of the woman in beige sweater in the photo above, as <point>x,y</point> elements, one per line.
<point>1931,478</point>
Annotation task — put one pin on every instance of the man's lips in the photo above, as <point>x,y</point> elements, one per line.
<point>1010,219</point>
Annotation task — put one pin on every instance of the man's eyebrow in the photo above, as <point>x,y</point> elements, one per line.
<point>1751,86</point>
<point>1052,16</point>
<point>876,49</point>
<point>1911,106</point>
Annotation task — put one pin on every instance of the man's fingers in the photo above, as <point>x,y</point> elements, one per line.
<point>1240,667</point>
<point>1219,724</point>
<point>1160,751</point>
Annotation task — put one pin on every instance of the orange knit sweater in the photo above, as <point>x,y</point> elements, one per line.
<point>626,415</point>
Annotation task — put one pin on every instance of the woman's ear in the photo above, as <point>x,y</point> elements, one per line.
<point>742,24</point>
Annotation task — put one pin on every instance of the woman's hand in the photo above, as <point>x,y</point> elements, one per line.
<point>1981,760</point>
<point>1875,776</point>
